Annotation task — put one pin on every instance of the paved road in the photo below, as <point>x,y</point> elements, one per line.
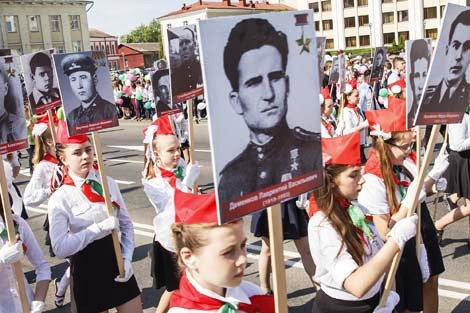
<point>124,161</point>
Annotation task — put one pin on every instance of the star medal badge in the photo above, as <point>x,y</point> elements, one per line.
<point>294,157</point>
<point>302,42</point>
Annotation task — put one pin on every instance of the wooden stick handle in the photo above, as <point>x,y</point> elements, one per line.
<point>276,242</point>
<point>421,177</point>
<point>418,208</point>
<point>12,238</point>
<point>189,107</point>
<point>51,126</point>
<point>107,200</point>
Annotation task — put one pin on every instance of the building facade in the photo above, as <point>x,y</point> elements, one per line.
<point>33,25</point>
<point>201,10</point>
<point>101,41</point>
<point>142,55</point>
<point>354,24</point>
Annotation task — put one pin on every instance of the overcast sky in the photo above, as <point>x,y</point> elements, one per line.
<point>119,17</point>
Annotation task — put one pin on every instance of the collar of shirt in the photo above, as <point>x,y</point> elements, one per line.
<point>78,181</point>
<point>86,105</point>
<point>37,95</point>
<point>232,295</point>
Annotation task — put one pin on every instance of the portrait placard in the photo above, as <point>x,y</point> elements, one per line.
<point>418,54</point>
<point>334,73</point>
<point>321,42</point>
<point>40,83</point>
<point>13,133</point>
<point>447,89</point>
<point>378,63</point>
<point>185,67</point>
<point>264,110</point>
<point>342,72</point>
<point>86,91</point>
<point>161,88</point>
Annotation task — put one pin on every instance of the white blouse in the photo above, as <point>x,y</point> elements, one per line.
<point>71,214</point>
<point>352,120</point>
<point>234,296</point>
<point>459,135</point>
<point>38,189</point>
<point>335,264</point>
<point>9,297</point>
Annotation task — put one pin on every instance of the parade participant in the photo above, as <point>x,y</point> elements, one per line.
<point>80,229</point>
<point>328,124</point>
<point>165,172</point>
<point>458,174</point>
<point>28,246</point>
<point>353,119</point>
<point>81,72</point>
<point>390,185</point>
<point>350,256</point>
<point>214,259</point>
<point>398,71</point>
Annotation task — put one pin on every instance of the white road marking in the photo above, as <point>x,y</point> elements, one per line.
<point>135,148</point>
<point>25,172</point>
<point>202,150</point>
<point>123,161</point>
<point>297,264</point>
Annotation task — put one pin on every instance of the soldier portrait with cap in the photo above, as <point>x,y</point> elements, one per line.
<point>452,92</point>
<point>83,80</point>
<point>255,61</point>
<point>40,82</point>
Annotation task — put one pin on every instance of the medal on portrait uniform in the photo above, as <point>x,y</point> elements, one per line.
<point>304,43</point>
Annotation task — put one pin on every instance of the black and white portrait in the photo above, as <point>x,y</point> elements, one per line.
<point>161,87</point>
<point>447,89</point>
<point>378,63</point>
<point>41,85</point>
<point>334,74</point>
<point>86,91</point>
<point>185,67</point>
<point>418,54</point>
<point>321,42</point>
<point>264,111</point>
<point>13,134</point>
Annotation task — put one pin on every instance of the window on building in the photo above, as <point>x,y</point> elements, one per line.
<point>402,16</point>
<point>327,24</point>
<point>387,17</point>
<point>330,44</point>
<point>107,49</point>
<point>362,3</point>
<point>348,4</point>
<point>431,33</point>
<point>59,49</point>
<point>77,46</point>
<point>75,22</point>
<point>168,26</point>
<point>443,7</point>
<point>326,6</point>
<point>92,48</point>
<point>349,22</point>
<point>185,23</point>
<point>387,1</point>
<point>33,21</point>
<point>317,26</point>
<point>55,23</point>
<point>113,50</point>
<point>404,35</point>
<point>313,6</point>
<point>364,40</point>
<point>363,20</point>
<point>10,21</point>
<point>126,63</point>
<point>389,38</point>
<point>351,42</point>
<point>430,13</point>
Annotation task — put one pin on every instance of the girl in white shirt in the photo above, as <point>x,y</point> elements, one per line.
<point>214,259</point>
<point>351,258</point>
<point>80,229</point>
<point>9,298</point>
<point>164,172</point>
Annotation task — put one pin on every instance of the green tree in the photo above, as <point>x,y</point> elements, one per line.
<point>144,33</point>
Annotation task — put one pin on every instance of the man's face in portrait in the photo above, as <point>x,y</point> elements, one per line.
<point>458,54</point>
<point>3,93</point>
<point>42,78</point>
<point>83,85</point>
<point>379,59</point>
<point>418,77</point>
<point>163,89</point>
<point>187,47</point>
<point>263,88</point>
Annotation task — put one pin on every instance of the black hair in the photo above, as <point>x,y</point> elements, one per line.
<point>419,49</point>
<point>191,31</point>
<point>463,18</point>
<point>39,59</point>
<point>250,34</point>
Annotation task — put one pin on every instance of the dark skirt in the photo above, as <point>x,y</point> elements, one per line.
<point>458,173</point>
<point>164,267</point>
<point>409,281</point>
<point>326,304</point>
<point>92,272</point>
<point>294,221</point>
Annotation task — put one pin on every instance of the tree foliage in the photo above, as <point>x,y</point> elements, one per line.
<point>396,48</point>
<point>144,33</point>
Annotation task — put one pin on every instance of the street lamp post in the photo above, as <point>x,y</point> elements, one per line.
<point>371,38</point>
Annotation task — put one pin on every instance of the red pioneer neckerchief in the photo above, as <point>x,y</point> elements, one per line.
<point>187,297</point>
<point>49,158</point>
